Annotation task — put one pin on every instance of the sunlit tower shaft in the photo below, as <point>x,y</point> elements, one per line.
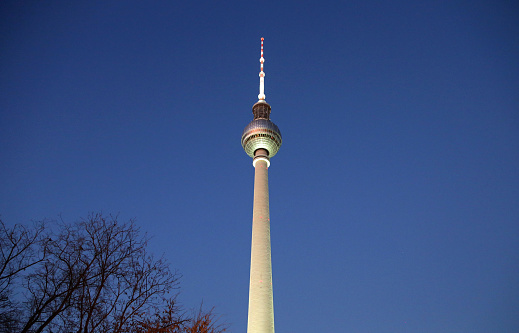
<point>261,140</point>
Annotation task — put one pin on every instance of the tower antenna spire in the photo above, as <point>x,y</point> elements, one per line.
<point>261,95</point>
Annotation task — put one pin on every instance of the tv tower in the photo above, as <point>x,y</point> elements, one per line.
<point>261,140</point>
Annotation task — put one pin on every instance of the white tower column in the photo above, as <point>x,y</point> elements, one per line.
<point>261,307</point>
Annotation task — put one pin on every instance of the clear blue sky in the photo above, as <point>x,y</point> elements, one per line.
<point>395,195</point>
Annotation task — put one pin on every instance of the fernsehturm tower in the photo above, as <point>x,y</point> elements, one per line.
<point>261,140</point>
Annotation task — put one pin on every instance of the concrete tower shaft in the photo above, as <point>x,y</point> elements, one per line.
<point>261,304</point>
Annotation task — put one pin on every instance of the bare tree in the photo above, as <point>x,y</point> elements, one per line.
<point>17,254</point>
<point>173,320</point>
<point>94,275</point>
<point>204,322</point>
<point>170,319</point>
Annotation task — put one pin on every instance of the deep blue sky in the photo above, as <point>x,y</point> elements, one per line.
<point>395,195</point>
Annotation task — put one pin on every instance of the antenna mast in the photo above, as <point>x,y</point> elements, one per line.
<point>261,95</point>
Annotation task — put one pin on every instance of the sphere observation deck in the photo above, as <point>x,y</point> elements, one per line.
<point>261,133</point>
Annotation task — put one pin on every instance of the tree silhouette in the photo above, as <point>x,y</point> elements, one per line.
<point>94,275</point>
<point>17,254</point>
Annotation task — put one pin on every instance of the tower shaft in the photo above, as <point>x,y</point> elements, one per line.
<point>261,307</point>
